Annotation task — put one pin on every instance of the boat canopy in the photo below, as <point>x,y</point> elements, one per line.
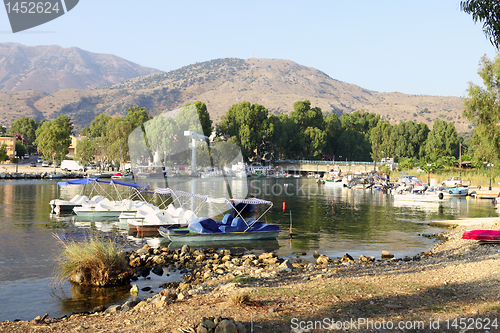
<point>82,181</point>
<point>85,181</point>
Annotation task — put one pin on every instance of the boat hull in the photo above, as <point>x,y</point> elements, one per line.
<point>96,215</point>
<point>217,237</point>
<point>482,235</point>
<point>418,197</point>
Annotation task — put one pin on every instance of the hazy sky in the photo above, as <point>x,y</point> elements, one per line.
<point>415,47</point>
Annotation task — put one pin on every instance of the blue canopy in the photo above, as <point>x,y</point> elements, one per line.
<point>84,181</point>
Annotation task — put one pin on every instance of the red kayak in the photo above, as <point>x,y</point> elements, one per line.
<point>482,235</point>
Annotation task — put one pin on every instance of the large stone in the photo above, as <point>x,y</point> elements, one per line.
<point>158,270</point>
<point>363,258</point>
<point>346,258</point>
<point>286,264</point>
<point>267,255</point>
<point>387,255</point>
<point>322,260</point>
<point>240,327</point>
<point>185,249</point>
<point>208,323</point>
<point>226,326</point>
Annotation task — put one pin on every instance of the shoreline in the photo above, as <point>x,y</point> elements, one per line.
<point>456,279</point>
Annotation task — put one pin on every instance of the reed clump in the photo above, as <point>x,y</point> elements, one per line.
<point>93,262</point>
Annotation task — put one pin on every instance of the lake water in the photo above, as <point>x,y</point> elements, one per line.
<point>330,220</point>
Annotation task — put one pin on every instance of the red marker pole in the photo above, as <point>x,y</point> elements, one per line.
<point>284,206</point>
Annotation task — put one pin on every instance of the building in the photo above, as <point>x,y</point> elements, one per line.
<point>10,142</point>
<point>72,146</point>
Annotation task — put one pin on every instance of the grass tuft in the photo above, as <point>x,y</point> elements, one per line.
<point>93,262</point>
<point>240,298</point>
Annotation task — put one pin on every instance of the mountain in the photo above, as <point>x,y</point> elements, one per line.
<point>274,83</point>
<point>52,68</point>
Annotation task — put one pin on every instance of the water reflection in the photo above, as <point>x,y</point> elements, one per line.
<point>328,219</point>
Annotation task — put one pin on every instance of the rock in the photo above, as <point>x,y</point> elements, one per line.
<point>267,255</point>
<point>185,249</point>
<point>200,258</point>
<point>394,306</point>
<point>158,270</point>
<point>240,327</point>
<point>208,323</point>
<point>113,309</point>
<point>136,262</point>
<point>99,308</point>
<point>322,260</point>
<point>134,290</point>
<point>226,326</point>
<point>346,258</point>
<point>387,255</point>
<point>142,271</point>
<point>316,255</point>
<point>286,264</point>
<point>363,258</point>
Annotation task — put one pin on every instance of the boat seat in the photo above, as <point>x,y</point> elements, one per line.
<point>203,225</point>
<point>189,215</point>
<point>238,224</point>
<point>227,219</point>
<point>171,209</point>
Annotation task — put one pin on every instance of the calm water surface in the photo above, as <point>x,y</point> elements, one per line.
<point>330,220</point>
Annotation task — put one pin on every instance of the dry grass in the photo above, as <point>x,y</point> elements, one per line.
<point>95,262</point>
<point>240,298</point>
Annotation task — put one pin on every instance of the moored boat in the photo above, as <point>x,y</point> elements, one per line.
<point>482,235</point>
<point>206,230</point>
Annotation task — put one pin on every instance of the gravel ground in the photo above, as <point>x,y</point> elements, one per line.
<point>452,288</point>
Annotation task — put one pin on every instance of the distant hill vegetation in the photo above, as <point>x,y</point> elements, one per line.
<point>220,83</point>
<point>52,68</point>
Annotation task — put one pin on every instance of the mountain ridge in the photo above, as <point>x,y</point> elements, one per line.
<point>51,68</point>
<point>220,83</point>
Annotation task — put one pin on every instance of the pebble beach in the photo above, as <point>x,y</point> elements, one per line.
<point>454,287</point>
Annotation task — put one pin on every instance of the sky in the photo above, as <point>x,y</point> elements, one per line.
<point>415,47</point>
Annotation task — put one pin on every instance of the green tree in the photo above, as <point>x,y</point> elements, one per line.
<point>249,126</point>
<point>482,107</point>
<point>406,164</point>
<point>333,129</point>
<point>97,127</point>
<point>116,140</point>
<point>442,140</point>
<point>3,152</point>
<point>20,149</point>
<point>86,149</point>
<point>163,136</point>
<point>136,116</point>
<point>314,140</point>
<point>26,128</point>
<point>354,145</point>
<point>53,138</point>
<point>203,117</point>
<point>487,12</point>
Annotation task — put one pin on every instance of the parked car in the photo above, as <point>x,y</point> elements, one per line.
<point>33,164</point>
<point>455,181</point>
<point>26,156</point>
<point>45,164</point>
<point>39,160</point>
